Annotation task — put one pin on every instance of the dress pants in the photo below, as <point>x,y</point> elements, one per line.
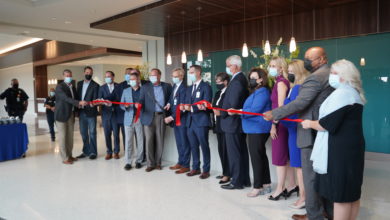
<point>88,134</point>
<point>111,127</point>
<point>183,146</point>
<point>65,133</point>
<point>135,130</point>
<point>259,159</point>
<point>238,159</point>
<point>199,136</point>
<point>315,204</point>
<point>154,135</point>
<point>222,151</point>
<point>50,122</point>
<point>121,129</point>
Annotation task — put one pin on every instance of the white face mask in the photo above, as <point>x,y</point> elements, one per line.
<point>273,71</point>
<point>228,71</point>
<point>334,80</point>
<point>153,79</point>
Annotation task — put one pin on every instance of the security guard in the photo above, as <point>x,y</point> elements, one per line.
<point>50,104</point>
<point>16,100</point>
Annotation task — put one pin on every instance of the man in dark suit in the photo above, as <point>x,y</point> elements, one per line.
<point>235,96</point>
<point>178,97</point>
<point>88,90</point>
<point>313,91</point>
<point>154,96</point>
<point>198,121</point>
<point>109,120</point>
<point>66,104</point>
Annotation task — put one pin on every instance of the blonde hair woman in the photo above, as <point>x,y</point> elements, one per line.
<point>296,75</point>
<point>278,69</point>
<point>338,152</point>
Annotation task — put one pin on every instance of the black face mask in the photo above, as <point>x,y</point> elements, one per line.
<point>291,78</point>
<point>307,64</point>
<point>252,83</point>
<point>220,86</point>
<point>88,77</point>
<point>15,86</point>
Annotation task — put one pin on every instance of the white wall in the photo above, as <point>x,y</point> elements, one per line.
<point>153,54</point>
<point>24,74</point>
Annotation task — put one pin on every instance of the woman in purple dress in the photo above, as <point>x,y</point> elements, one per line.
<point>280,156</point>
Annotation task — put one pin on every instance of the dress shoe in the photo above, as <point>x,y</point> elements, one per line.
<point>294,206</point>
<point>158,167</point>
<point>224,181</point>
<point>182,170</point>
<point>148,169</point>
<point>81,156</point>
<point>108,156</point>
<point>176,167</point>
<point>276,198</point>
<point>53,139</point>
<point>116,156</point>
<point>67,162</point>
<point>193,173</point>
<point>73,159</point>
<point>204,175</point>
<point>231,186</point>
<point>247,185</point>
<point>92,157</point>
<point>127,167</point>
<point>138,165</point>
<point>300,217</point>
<point>219,177</point>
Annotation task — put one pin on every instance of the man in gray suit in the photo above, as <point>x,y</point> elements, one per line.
<point>312,93</point>
<point>66,104</point>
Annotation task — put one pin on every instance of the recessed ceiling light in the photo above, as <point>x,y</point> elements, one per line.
<point>26,32</point>
<point>68,22</point>
<point>53,18</point>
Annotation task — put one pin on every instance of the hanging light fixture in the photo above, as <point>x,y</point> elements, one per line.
<point>293,44</point>
<point>200,53</point>
<point>267,46</point>
<point>245,51</point>
<point>169,57</point>
<point>183,54</point>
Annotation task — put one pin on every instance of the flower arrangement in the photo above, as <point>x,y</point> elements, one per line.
<point>144,69</point>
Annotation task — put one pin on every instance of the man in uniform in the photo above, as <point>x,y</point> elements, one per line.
<point>16,100</point>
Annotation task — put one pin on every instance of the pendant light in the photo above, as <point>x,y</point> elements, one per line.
<point>245,51</point>
<point>293,44</point>
<point>183,54</point>
<point>169,57</point>
<point>267,46</point>
<point>200,53</point>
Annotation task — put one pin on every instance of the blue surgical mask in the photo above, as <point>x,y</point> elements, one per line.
<point>334,80</point>
<point>192,77</point>
<point>133,83</point>
<point>127,77</point>
<point>176,80</point>
<point>153,79</point>
<point>273,71</point>
<point>68,80</point>
<point>52,93</point>
<point>228,71</point>
<point>108,80</point>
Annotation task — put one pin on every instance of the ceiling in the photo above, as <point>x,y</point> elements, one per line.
<point>112,59</point>
<point>7,40</point>
<point>67,21</point>
<point>153,19</point>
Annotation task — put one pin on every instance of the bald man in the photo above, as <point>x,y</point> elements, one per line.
<point>312,93</point>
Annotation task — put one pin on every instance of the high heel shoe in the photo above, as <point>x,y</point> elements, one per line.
<point>289,193</point>
<point>266,190</point>
<point>276,198</point>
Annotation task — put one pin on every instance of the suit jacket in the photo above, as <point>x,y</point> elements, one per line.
<point>235,96</point>
<point>313,91</point>
<point>176,99</point>
<point>199,118</point>
<point>64,102</point>
<point>109,112</point>
<point>90,95</point>
<point>127,96</point>
<point>217,119</point>
<point>147,100</point>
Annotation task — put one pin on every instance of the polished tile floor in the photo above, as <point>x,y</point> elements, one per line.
<point>41,187</point>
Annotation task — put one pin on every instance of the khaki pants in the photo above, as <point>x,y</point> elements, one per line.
<point>154,136</point>
<point>65,134</point>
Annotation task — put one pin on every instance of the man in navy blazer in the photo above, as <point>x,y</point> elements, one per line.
<point>178,97</point>
<point>235,96</point>
<point>154,96</point>
<point>110,126</point>
<point>198,122</point>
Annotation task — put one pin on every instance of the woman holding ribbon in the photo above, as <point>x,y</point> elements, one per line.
<point>338,152</point>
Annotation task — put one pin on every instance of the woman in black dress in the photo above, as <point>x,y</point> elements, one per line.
<point>338,152</point>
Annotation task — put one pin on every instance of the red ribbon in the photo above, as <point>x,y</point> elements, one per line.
<point>138,105</point>
<point>209,106</point>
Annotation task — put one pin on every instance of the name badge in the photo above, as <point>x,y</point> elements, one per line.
<point>197,94</point>
<point>175,102</point>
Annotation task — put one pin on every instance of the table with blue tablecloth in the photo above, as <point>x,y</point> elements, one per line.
<point>13,141</point>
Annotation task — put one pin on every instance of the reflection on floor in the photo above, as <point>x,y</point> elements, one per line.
<point>41,187</point>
